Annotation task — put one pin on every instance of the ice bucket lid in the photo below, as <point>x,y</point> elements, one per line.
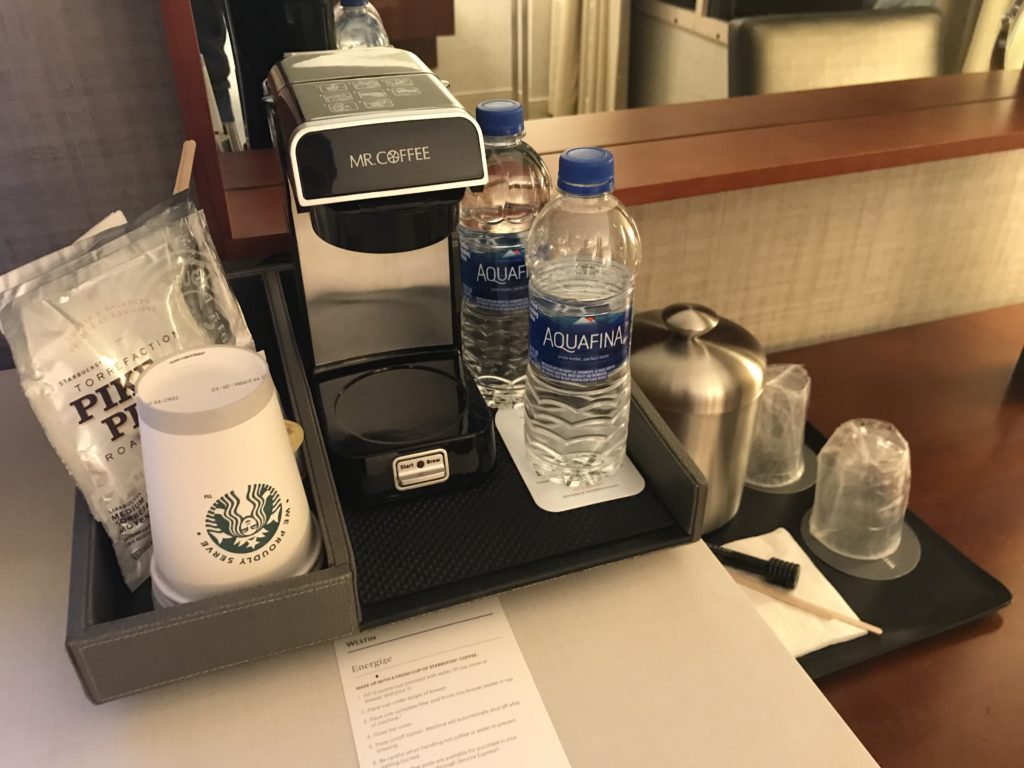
<point>688,359</point>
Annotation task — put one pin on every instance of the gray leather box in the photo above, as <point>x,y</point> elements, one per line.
<point>119,645</point>
<point>116,656</point>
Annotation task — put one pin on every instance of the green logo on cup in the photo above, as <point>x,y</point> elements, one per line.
<point>245,526</point>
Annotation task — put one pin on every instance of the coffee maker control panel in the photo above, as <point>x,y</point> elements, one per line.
<point>368,95</point>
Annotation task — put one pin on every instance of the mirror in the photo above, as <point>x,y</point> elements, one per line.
<point>220,74</point>
<point>563,57</point>
<point>1008,52</point>
<point>239,41</point>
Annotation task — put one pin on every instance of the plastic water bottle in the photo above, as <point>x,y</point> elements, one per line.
<point>581,256</point>
<point>358,25</point>
<point>493,226</point>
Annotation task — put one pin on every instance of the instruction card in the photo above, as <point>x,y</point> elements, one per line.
<point>443,690</point>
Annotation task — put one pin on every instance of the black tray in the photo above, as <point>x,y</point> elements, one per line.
<point>944,591</point>
<point>428,552</point>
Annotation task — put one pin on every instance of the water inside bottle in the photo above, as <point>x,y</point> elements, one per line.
<point>576,430</point>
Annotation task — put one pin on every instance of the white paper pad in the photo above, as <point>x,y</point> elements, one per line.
<point>446,689</point>
<point>553,497</point>
<point>801,632</point>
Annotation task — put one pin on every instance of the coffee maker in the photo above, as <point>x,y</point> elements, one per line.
<point>377,155</point>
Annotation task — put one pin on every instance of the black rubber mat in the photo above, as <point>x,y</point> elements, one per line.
<point>439,549</point>
<point>409,546</point>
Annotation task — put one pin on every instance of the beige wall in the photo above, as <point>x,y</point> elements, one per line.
<point>811,261</point>
<point>672,65</point>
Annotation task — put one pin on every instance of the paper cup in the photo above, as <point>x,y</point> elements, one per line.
<point>226,504</point>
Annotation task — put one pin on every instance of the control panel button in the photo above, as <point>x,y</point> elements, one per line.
<point>419,469</point>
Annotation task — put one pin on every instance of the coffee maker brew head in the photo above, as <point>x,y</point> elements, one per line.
<point>370,123</point>
<point>377,153</point>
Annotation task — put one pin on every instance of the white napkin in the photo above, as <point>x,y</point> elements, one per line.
<point>801,632</point>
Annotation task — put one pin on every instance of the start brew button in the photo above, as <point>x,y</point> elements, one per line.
<point>418,469</point>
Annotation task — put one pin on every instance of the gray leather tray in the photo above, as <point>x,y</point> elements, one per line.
<point>381,564</point>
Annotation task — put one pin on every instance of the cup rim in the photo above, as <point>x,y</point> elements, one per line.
<point>207,420</point>
<point>165,596</point>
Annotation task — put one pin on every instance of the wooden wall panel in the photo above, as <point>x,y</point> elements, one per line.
<point>825,259</point>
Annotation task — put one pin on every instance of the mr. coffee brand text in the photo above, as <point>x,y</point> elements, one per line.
<point>395,156</point>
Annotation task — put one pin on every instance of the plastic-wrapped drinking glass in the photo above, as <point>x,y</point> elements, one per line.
<point>777,447</point>
<point>863,488</point>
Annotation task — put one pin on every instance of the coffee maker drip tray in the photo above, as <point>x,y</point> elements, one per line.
<point>407,426</point>
<point>400,406</point>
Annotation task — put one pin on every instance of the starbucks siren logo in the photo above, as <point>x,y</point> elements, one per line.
<point>244,527</point>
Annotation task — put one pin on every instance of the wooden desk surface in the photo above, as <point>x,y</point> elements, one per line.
<point>683,150</point>
<point>958,699</point>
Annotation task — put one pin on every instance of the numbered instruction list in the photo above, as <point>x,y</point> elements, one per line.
<point>443,690</point>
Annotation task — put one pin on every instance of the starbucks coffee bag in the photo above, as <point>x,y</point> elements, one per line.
<point>84,322</point>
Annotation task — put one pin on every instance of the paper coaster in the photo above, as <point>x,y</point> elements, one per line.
<point>555,497</point>
<point>899,563</point>
<point>802,483</point>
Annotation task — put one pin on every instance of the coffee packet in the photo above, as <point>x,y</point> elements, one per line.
<point>84,322</point>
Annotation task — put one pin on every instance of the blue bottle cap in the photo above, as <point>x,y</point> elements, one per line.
<point>353,3</point>
<point>500,117</point>
<point>586,171</point>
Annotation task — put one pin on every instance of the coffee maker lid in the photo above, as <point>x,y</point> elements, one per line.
<point>370,123</point>
<point>314,66</point>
